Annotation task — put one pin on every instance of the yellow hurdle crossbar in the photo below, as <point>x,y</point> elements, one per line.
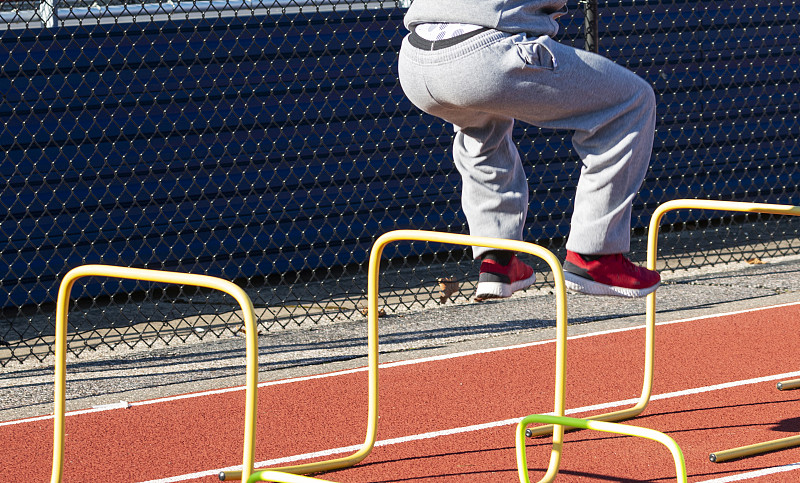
<point>62,308</point>
<point>372,335</point>
<point>650,316</point>
<point>522,462</point>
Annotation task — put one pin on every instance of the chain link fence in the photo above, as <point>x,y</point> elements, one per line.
<point>269,143</point>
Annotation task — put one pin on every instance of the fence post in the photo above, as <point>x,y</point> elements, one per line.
<point>591,34</point>
<point>47,13</point>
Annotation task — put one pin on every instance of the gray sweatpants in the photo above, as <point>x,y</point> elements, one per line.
<point>483,84</point>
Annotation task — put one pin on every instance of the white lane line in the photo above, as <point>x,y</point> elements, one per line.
<point>394,364</point>
<point>483,426</point>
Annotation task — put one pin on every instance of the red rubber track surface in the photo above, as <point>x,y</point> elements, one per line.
<point>197,434</point>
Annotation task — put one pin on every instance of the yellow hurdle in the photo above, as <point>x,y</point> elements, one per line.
<point>372,344</point>
<point>522,461</point>
<point>62,308</point>
<point>652,249</point>
<point>650,316</point>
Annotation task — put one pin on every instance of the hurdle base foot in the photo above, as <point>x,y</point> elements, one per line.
<point>230,475</point>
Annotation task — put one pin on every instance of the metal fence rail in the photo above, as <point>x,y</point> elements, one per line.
<point>269,143</point>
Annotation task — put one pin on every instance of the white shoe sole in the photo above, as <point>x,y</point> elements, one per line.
<point>576,283</point>
<point>498,290</point>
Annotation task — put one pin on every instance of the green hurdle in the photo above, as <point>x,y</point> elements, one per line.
<point>650,318</point>
<point>558,421</point>
<point>62,308</point>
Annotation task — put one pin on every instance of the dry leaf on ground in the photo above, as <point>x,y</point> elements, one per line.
<point>447,287</point>
<point>365,311</point>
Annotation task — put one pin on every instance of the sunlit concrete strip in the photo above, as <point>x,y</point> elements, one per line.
<point>411,362</point>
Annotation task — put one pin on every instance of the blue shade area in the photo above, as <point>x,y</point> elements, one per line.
<point>256,145</point>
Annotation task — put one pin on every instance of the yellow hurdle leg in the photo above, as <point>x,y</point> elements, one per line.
<point>62,307</point>
<point>754,449</point>
<point>788,385</point>
<point>372,334</point>
<point>522,462</point>
<point>650,317</point>
<point>281,477</point>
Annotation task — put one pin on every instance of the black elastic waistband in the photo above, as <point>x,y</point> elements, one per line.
<point>424,44</point>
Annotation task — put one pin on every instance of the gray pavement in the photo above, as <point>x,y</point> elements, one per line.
<point>26,390</point>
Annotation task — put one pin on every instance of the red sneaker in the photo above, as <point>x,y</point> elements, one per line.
<point>500,281</point>
<point>609,275</point>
